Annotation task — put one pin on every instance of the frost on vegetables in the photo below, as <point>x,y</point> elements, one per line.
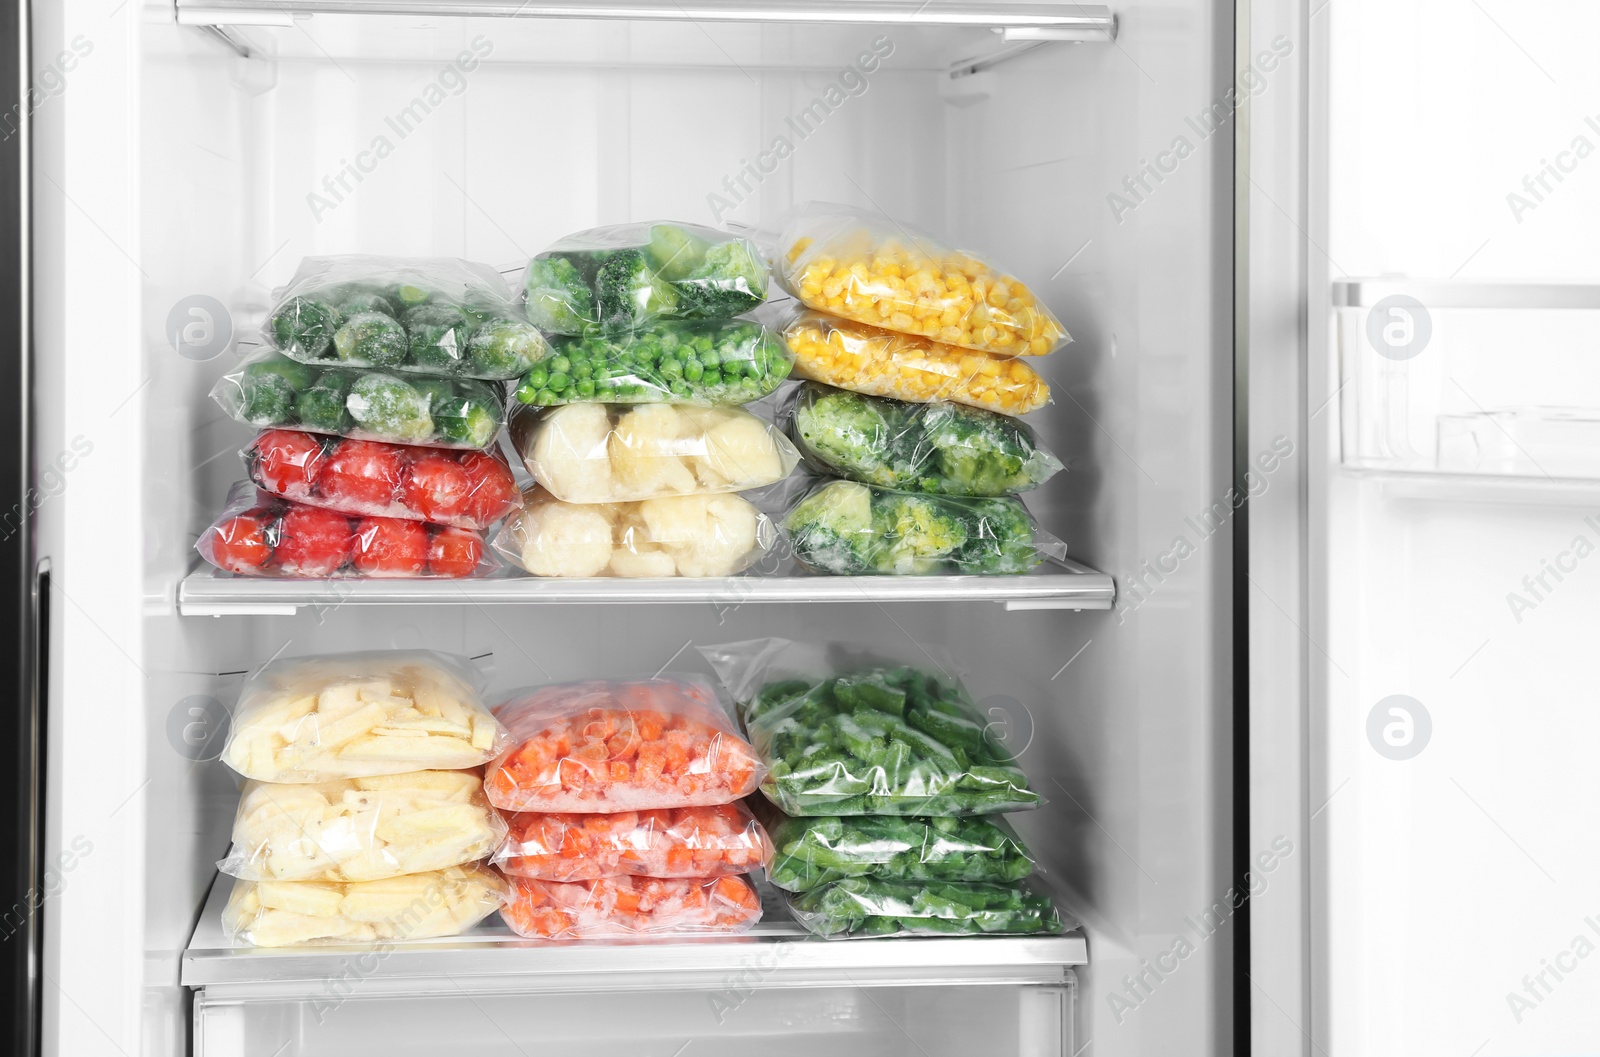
<point>630,907</point>
<point>259,534</point>
<point>271,390</point>
<point>812,852</point>
<point>693,535</point>
<point>942,448</point>
<point>668,842</point>
<point>356,715</point>
<point>872,906</point>
<point>410,907</point>
<point>465,489</point>
<point>362,829</point>
<point>878,362</point>
<point>709,363</point>
<point>629,276</point>
<point>434,316</point>
<point>881,741</point>
<point>604,746</point>
<point>616,453</point>
<point>866,267</point>
<point>845,528</point>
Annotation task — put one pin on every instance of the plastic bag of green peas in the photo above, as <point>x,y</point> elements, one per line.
<point>710,363</point>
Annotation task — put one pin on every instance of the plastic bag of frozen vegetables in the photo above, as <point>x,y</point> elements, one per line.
<point>871,906</point>
<point>707,362</point>
<point>841,738</point>
<point>943,448</point>
<point>850,529</point>
<point>438,316</point>
<point>628,276</point>
<point>812,852</point>
<point>270,389</point>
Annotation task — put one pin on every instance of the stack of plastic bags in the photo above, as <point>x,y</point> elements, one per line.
<point>364,818</point>
<point>633,427</point>
<point>381,400</point>
<point>888,786</point>
<point>622,802</point>
<point>928,340</point>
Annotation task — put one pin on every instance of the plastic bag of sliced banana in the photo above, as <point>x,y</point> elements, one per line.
<point>414,907</point>
<point>362,829</point>
<point>355,715</point>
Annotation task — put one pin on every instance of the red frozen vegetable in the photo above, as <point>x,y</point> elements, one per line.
<point>287,461</point>
<point>437,487</point>
<point>387,546</point>
<point>312,542</point>
<point>239,544</point>
<point>454,552</point>
<point>361,471</point>
<point>493,490</point>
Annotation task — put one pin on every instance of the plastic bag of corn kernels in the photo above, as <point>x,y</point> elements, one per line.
<point>878,362</point>
<point>867,267</point>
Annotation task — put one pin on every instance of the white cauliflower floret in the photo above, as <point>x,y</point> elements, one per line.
<point>738,450</point>
<point>563,539</point>
<point>707,535</point>
<point>569,456</point>
<point>644,453</point>
<point>646,560</point>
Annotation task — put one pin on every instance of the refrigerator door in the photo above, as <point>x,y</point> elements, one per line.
<point>1421,602</point>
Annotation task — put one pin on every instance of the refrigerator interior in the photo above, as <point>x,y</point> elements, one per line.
<point>172,168</point>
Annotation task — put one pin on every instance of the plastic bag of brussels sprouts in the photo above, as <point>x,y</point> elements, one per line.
<point>710,363</point>
<point>871,906</point>
<point>812,852</point>
<point>273,390</point>
<point>423,315</point>
<point>628,276</point>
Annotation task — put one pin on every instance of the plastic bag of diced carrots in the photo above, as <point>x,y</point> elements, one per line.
<point>672,842</point>
<point>630,907</point>
<point>628,745</point>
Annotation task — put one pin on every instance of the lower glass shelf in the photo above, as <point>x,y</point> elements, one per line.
<point>1067,586</point>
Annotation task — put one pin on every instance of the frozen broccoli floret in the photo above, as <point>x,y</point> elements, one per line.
<point>849,433</point>
<point>304,326</point>
<point>1001,537</point>
<point>390,408</point>
<point>832,528</point>
<point>628,292</point>
<point>729,281</point>
<point>918,533</point>
<point>371,338</point>
<point>504,348</point>
<point>557,297</point>
<point>438,336</point>
<point>675,251</point>
<point>266,400</point>
<point>408,296</point>
<point>322,407</point>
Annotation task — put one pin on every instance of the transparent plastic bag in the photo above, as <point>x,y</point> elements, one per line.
<point>941,448</point>
<point>631,908</point>
<point>812,852</point>
<point>362,829</point>
<point>395,910</point>
<point>848,529</point>
<point>693,535</point>
<point>368,478</point>
<point>355,715</point>
<point>258,534</point>
<point>628,276</point>
<point>617,453</point>
<point>872,906</point>
<point>620,745</point>
<point>673,842</point>
<point>711,363</point>
<point>864,266</point>
<point>877,362</point>
<point>270,389</point>
<point>847,739</point>
<point>429,315</point>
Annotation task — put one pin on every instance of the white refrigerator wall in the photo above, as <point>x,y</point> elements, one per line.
<point>181,170</point>
<point>1457,902</point>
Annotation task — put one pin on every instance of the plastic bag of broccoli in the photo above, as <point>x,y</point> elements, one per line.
<point>427,315</point>
<point>861,907</point>
<point>628,276</point>
<point>845,737</point>
<point>707,362</point>
<point>273,390</point>
<point>941,448</point>
<point>849,529</point>
<point>812,852</point>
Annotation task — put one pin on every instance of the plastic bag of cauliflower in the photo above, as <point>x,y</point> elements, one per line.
<point>680,535</point>
<point>621,453</point>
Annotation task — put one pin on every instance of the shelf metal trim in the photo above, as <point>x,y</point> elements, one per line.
<point>1019,19</point>
<point>1444,293</point>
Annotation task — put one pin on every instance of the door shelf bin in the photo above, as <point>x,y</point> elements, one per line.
<point>1489,380</point>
